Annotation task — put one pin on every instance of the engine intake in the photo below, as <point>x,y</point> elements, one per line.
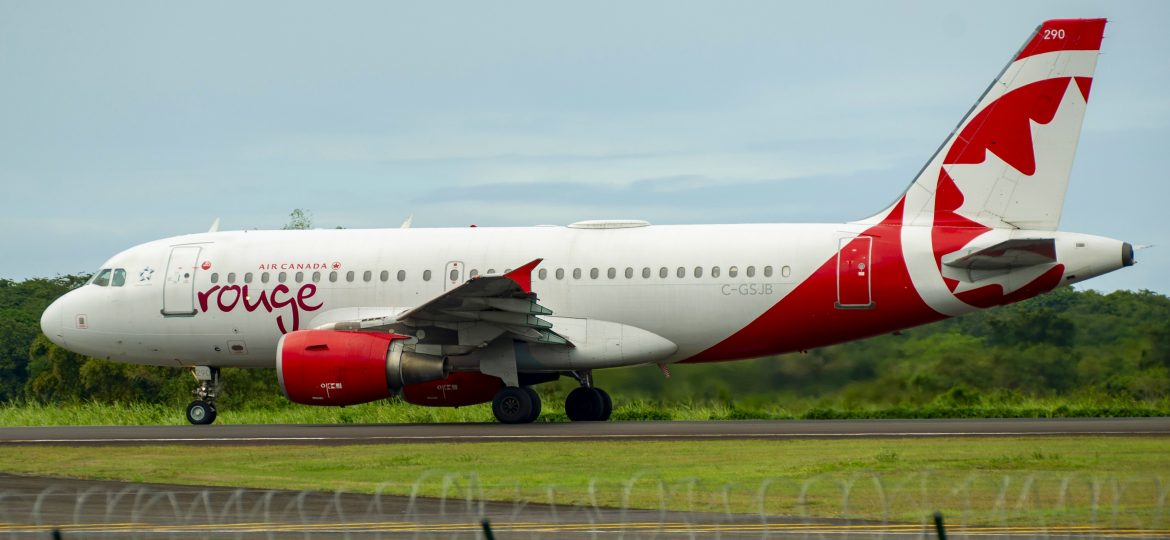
<point>334,367</point>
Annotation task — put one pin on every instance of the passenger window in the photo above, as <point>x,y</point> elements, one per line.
<point>507,270</point>
<point>491,271</point>
<point>231,277</point>
<point>698,271</point>
<point>214,277</point>
<point>682,272</point>
<point>248,277</point>
<point>316,277</point>
<point>767,271</point>
<point>560,273</point>
<point>543,274</point>
<point>119,277</point>
<point>646,272</point>
<point>299,277</point>
<point>751,271</point>
<point>611,273</point>
<point>264,277</point>
<point>333,276</point>
<point>401,275</point>
<point>102,279</point>
<point>594,273</point>
<point>576,273</point>
<point>282,277</point>
<point>662,272</point>
<point>349,276</point>
<point>629,272</point>
<point>368,276</point>
<point>426,275</point>
<point>384,276</point>
<point>785,271</point>
<point>732,271</point>
<point>714,271</point>
<point>474,273</point>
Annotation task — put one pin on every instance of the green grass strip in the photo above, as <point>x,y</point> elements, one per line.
<point>394,411</point>
<point>1038,481</point>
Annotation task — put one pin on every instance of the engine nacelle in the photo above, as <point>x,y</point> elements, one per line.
<point>460,388</point>
<point>332,367</point>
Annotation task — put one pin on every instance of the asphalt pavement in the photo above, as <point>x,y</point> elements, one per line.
<point>416,433</point>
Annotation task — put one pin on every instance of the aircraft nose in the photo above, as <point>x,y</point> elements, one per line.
<point>51,323</point>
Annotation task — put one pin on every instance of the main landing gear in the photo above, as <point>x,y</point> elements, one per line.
<point>516,405</point>
<point>521,404</point>
<point>202,410</point>
<point>587,403</point>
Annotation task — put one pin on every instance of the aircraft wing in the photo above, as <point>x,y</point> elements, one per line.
<point>475,312</point>
<point>1016,253</point>
<point>506,301</point>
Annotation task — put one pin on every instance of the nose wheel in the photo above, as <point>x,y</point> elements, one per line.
<point>202,410</point>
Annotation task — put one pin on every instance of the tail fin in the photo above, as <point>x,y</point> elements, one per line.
<point>1006,165</point>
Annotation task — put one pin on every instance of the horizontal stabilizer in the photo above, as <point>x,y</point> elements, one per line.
<point>1007,255</point>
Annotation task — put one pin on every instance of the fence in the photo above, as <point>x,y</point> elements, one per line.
<point>865,505</point>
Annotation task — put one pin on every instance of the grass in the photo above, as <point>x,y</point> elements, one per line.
<point>393,411</point>
<point>1100,481</point>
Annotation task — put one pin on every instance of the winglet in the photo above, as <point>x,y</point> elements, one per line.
<point>523,275</point>
<point>214,226</point>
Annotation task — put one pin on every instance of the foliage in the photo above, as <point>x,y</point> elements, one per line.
<point>299,220</point>
<point>21,305</point>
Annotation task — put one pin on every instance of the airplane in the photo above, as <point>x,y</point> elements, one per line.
<point>460,316</point>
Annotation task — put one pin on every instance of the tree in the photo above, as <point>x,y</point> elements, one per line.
<point>54,373</point>
<point>299,220</point>
<point>21,305</point>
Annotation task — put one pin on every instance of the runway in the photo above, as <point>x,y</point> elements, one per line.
<point>423,433</point>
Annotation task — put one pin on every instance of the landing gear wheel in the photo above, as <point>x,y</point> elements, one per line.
<point>606,404</point>
<point>515,405</point>
<point>535,404</point>
<point>586,405</point>
<point>200,412</point>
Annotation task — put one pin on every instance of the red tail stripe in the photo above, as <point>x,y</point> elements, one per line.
<point>1065,35</point>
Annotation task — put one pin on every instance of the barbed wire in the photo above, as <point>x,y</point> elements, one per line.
<point>450,505</point>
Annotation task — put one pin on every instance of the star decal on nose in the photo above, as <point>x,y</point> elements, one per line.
<point>146,274</point>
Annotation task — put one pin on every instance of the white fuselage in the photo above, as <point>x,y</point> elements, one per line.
<point>694,285</point>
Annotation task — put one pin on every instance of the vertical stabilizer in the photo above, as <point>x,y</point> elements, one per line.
<point>1007,164</point>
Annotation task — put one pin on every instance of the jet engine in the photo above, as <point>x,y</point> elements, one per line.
<point>458,389</point>
<point>333,367</point>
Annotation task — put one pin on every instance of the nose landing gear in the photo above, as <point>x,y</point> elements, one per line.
<point>202,410</point>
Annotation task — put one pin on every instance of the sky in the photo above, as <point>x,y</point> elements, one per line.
<point>124,122</point>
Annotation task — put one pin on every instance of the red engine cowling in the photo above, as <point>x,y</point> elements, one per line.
<point>458,389</point>
<point>334,367</point>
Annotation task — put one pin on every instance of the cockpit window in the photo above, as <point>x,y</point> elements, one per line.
<point>103,278</point>
<point>119,277</point>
